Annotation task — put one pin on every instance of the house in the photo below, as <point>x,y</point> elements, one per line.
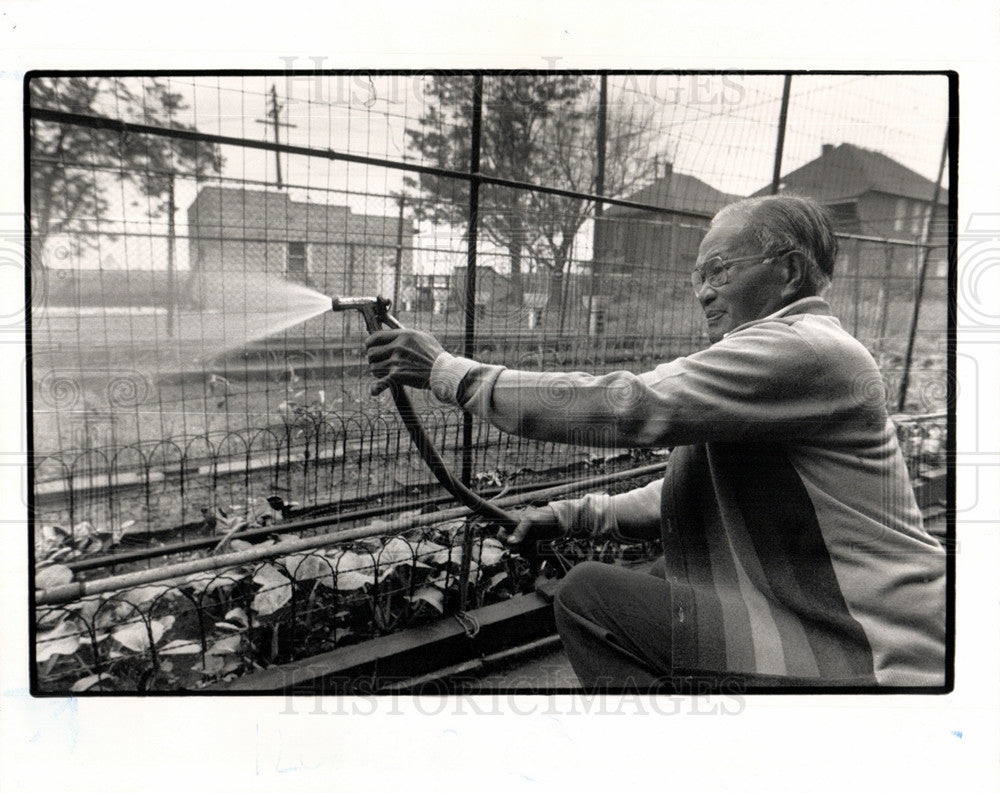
<point>870,194</point>
<point>237,235</point>
<point>493,289</point>
<point>632,241</point>
<point>866,191</point>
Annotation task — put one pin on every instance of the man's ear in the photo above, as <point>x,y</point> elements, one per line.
<point>795,274</point>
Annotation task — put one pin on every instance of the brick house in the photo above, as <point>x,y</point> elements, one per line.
<point>236,234</point>
<point>876,282</point>
<point>866,191</point>
<point>645,242</point>
<point>869,193</point>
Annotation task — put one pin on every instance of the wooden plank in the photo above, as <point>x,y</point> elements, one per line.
<point>407,654</point>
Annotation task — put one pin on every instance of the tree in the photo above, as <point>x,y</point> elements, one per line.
<point>540,129</point>
<point>73,166</point>
<point>568,158</point>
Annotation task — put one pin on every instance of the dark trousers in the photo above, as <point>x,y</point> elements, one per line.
<point>615,625</point>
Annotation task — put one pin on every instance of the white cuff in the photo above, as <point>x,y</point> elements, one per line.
<point>592,516</point>
<point>446,375</point>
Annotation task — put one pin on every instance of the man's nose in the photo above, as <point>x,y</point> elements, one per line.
<point>705,293</point>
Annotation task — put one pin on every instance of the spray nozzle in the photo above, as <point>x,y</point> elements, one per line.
<point>375,310</point>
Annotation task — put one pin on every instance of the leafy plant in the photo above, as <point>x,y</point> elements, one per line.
<point>190,632</point>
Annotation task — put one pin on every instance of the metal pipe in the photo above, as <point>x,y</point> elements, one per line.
<point>292,527</point>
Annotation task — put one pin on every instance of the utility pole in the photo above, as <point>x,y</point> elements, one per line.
<point>171,264</point>
<point>274,119</point>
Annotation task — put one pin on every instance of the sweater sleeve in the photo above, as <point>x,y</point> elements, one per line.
<point>764,382</point>
<point>628,517</point>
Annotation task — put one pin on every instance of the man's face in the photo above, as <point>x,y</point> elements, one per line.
<point>754,287</point>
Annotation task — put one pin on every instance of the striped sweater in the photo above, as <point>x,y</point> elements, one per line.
<point>791,535</point>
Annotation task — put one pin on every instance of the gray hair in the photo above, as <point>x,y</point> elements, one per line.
<point>778,224</point>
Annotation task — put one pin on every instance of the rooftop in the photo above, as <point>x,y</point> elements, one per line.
<point>846,171</point>
<point>236,212</point>
<point>680,191</point>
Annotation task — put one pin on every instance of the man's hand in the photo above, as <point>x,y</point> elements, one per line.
<point>536,528</point>
<point>404,357</point>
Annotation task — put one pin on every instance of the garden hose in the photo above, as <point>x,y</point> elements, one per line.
<point>375,311</point>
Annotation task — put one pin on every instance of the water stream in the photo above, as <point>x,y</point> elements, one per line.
<point>273,305</point>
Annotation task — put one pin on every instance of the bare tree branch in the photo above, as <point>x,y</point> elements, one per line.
<point>540,129</point>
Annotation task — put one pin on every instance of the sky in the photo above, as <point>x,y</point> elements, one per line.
<point>723,128</point>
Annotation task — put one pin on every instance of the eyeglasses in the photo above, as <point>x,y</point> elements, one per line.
<point>716,270</point>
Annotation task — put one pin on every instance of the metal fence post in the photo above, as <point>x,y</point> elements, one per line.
<point>925,253</point>
<point>885,297</point>
<point>171,263</point>
<point>398,264</point>
<point>602,145</point>
<point>469,346</point>
<point>857,289</point>
<point>779,148</point>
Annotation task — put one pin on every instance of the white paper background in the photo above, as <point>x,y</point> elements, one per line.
<point>758,743</point>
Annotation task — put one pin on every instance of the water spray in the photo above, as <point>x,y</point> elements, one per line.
<point>375,311</point>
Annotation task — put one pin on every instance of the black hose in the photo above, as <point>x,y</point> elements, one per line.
<point>429,454</point>
<point>376,314</point>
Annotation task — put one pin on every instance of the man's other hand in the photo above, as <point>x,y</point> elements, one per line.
<point>403,357</point>
<point>537,527</point>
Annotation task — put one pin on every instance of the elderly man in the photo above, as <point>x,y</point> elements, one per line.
<point>794,551</point>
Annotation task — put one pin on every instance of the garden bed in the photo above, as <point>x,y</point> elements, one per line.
<point>281,599</point>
